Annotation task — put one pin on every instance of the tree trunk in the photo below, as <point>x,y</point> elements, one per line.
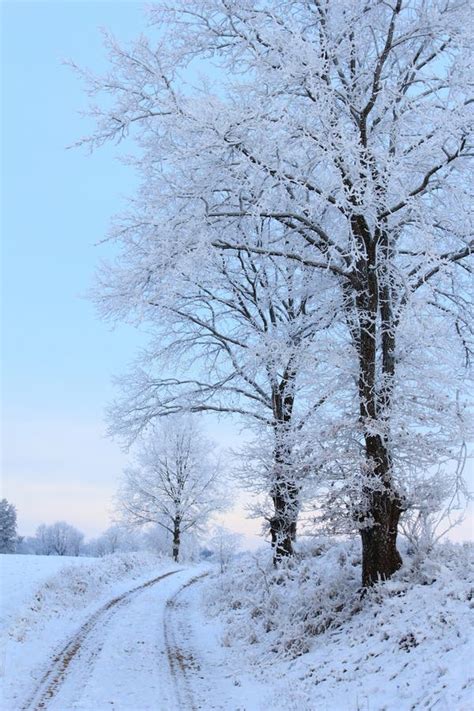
<point>380,557</point>
<point>375,342</point>
<point>285,491</point>
<point>176,538</point>
<point>283,522</point>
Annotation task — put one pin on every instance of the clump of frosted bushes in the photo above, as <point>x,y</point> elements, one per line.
<point>284,608</point>
<point>282,611</point>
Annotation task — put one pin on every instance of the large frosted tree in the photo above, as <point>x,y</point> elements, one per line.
<point>346,124</point>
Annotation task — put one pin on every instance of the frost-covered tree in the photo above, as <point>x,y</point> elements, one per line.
<point>175,482</point>
<point>158,540</point>
<point>8,534</point>
<point>345,127</point>
<point>243,335</point>
<point>437,505</point>
<point>223,546</point>
<point>59,538</point>
<point>113,540</point>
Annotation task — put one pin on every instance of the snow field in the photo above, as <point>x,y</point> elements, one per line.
<point>21,575</point>
<point>299,638</point>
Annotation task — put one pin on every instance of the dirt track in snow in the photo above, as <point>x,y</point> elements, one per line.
<point>182,660</point>
<point>75,661</point>
<point>148,649</point>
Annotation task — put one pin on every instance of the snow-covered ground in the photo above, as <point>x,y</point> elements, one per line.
<point>318,646</point>
<point>49,609</point>
<point>21,575</point>
<point>134,632</point>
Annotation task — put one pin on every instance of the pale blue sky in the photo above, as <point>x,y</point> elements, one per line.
<point>56,203</point>
<point>58,358</point>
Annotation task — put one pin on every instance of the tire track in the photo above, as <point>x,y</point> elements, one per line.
<point>180,660</point>
<point>52,679</point>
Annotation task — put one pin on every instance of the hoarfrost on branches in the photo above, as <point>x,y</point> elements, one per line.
<point>175,483</point>
<point>336,147</point>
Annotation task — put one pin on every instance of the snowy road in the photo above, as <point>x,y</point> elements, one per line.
<point>148,648</point>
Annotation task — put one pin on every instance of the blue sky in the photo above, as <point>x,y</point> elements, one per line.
<point>58,357</point>
<point>56,205</point>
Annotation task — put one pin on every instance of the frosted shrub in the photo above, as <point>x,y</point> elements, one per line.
<point>446,564</point>
<point>281,612</point>
<point>286,607</point>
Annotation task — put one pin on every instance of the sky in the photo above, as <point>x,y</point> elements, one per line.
<point>58,357</point>
<point>56,204</point>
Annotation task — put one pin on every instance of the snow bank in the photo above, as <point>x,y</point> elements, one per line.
<point>404,645</point>
<point>76,587</point>
<point>21,575</point>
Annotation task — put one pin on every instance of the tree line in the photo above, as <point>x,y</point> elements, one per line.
<point>63,539</point>
<point>59,538</point>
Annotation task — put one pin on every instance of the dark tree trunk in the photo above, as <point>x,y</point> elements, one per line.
<point>375,343</point>
<point>380,557</point>
<point>283,522</point>
<point>285,490</point>
<point>381,505</point>
<point>176,537</point>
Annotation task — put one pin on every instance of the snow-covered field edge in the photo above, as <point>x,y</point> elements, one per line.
<point>59,605</point>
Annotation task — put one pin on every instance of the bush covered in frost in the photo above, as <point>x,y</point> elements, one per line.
<point>286,607</point>
<point>318,590</point>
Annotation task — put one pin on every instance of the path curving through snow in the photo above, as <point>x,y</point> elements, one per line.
<point>149,648</point>
<point>94,666</point>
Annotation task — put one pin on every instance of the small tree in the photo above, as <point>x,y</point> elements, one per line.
<point>437,505</point>
<point>8,535</point>
<point>174,483</point>
<point>114,539</point>
<point>224,544</point>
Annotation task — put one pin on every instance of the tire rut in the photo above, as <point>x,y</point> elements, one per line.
<point>52,679</point>
<point>180,660</point>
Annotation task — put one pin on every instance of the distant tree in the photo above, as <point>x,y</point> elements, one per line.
<point>157,539</point>
<point>175,482</point>
<point>8,535</point>
<point>60,538</point>
<point>224,544</point>
<point>438,504</point>
<point>114,539</point>
<point>26,545</point>
<point>40,541</point>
